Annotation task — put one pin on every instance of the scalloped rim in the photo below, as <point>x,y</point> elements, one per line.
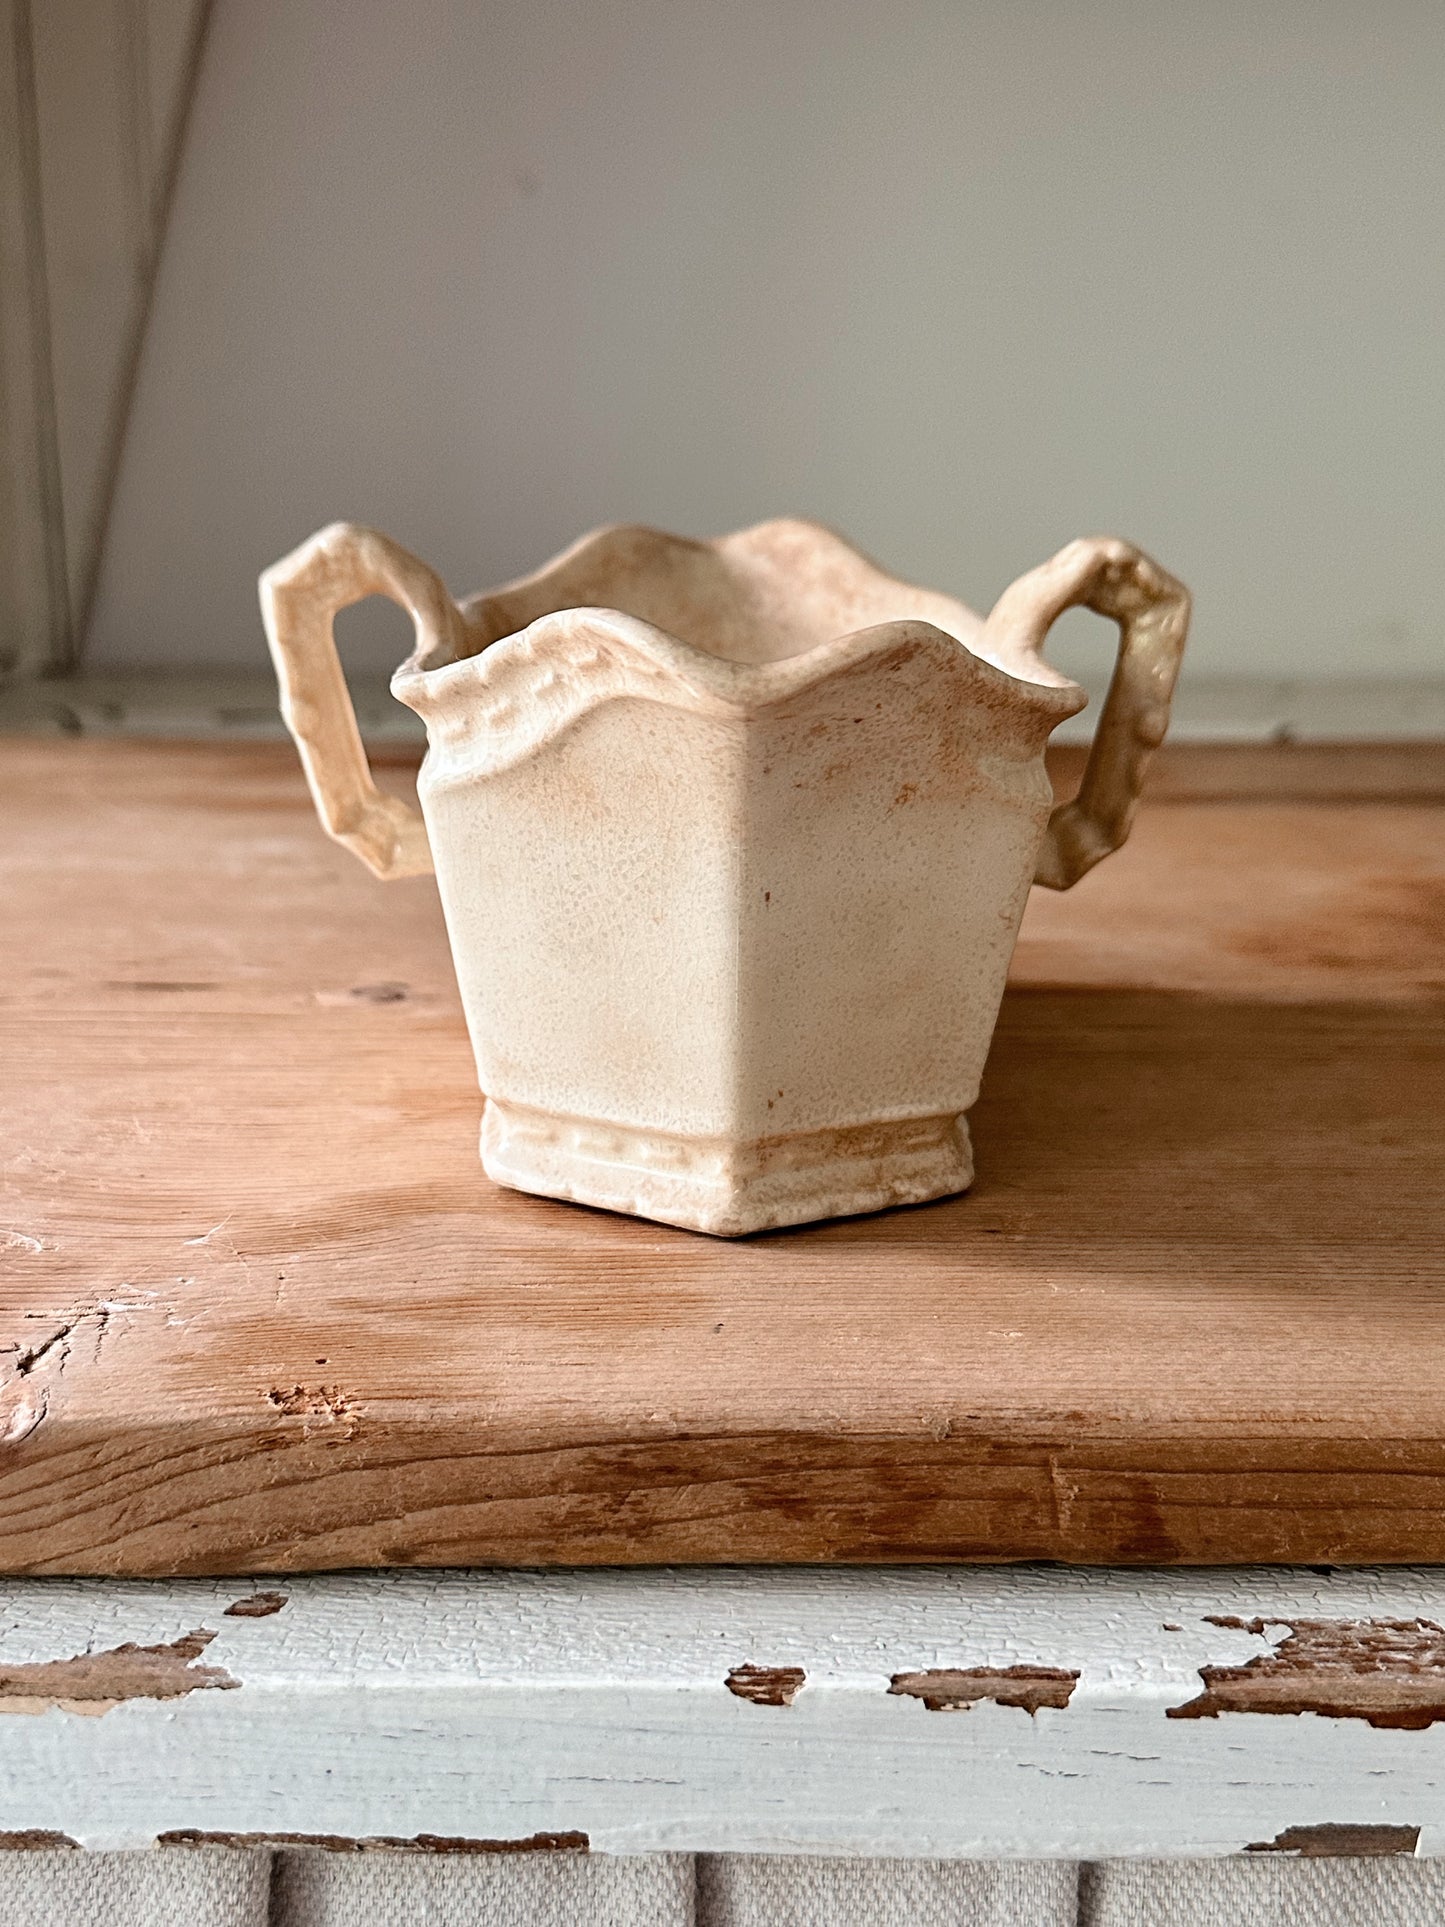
<point>736,686</point>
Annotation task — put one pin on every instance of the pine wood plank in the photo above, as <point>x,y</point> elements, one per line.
<point>265,1313</point>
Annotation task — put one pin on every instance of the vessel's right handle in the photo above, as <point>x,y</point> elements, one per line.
<point>1152,611</point>
<point>301,596</point>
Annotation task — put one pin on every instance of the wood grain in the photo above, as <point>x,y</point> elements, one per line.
<point>264,1313</point>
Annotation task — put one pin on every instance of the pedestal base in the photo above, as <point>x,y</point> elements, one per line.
<point>723,1187</point>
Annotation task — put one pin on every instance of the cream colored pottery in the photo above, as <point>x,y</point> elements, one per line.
<point>733,839</point>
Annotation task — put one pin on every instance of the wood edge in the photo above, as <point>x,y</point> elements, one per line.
<point>993,1497</point>
<point>1344,772</point>
<point>61,712</point>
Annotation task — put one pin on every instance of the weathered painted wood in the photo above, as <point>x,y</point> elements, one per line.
<point>262,1309</point>
<point>498,1707</point>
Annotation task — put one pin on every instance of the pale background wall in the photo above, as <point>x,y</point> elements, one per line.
<point>964,277</point>
<point>93,97</point>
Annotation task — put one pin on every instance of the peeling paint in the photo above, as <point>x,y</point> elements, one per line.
<point>766,1685</point>
<point>257,1605</point>
<point>380,1842</point>
<point>1332,1840</point>
<point>95,1682</point>
<point>954,1690</point>
<point>1388,1672</point>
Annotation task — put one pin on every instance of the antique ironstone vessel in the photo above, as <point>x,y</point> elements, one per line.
<point>733,839</point>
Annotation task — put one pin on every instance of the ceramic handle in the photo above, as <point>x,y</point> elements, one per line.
<point>1152,611</point>
<point>300,598</point>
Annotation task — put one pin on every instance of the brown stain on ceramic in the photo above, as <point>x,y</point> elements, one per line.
<point>1388,1672</point>
<point>257,1605</point>
<point>95,1682</point>
<point>438,1843</point>
<point>954,1690</point>
<point>1335,1840</point>
<point>766,1685</point>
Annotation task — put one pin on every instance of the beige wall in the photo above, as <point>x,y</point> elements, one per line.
<point>92,105</point>
<point>964,279</point>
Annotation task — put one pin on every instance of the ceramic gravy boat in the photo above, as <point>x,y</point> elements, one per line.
<point>733,839</point>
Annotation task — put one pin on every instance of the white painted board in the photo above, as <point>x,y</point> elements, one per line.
<point>499,1706</point>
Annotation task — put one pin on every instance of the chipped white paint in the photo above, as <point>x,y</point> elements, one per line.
<point>500,1705</point>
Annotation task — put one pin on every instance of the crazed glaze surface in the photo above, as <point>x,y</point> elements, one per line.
<point>733,839</point>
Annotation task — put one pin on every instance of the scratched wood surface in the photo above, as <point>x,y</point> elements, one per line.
<point>263,1312</point>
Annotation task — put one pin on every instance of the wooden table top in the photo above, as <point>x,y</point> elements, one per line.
<point>260,1309</point>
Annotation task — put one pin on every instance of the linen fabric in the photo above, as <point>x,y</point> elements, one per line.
<point>1263,1891</point>
<point>152,1887</point>
<point>308,1887</point>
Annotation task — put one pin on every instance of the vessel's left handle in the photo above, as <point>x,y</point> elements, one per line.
<point>301,596</point>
